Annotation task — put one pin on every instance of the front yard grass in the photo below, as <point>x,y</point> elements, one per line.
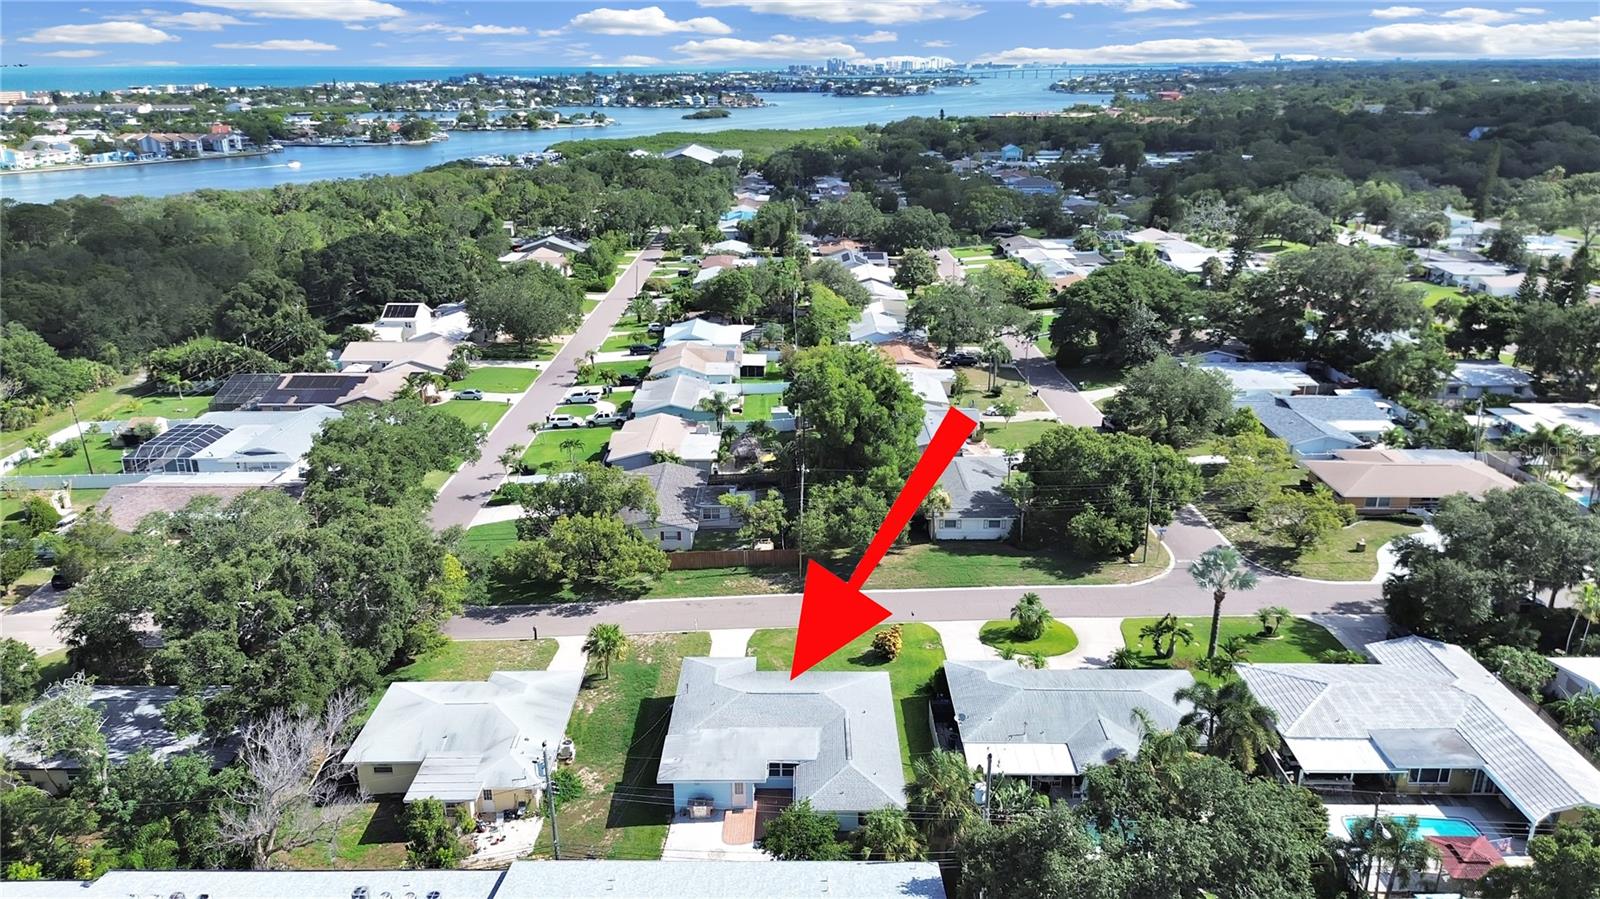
<point>1433,293</point>
<point>1057,639</point>
<point>475,413</point>
<point>973,252</point>
<point>107,459</point>
<point>497,379</point>
<point>910,675</point>
<point>624,368</point>
<point>544,453</point>
<point>1011,385</point>
<point>1297,640</point>
<point>617,726</point>
<point>493,537</point>
<point>1043,344</point>
<point>1092,377</point>
<point>542,351</point>
<point>476,659</point>
<point>1334,557</point>
<point>1016,435</point>
<point>616,343</point>
<point>373,838</point>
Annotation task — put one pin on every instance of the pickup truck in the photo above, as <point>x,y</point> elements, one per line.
<point>591,394</point>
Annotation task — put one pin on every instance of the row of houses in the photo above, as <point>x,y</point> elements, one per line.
<point>38,152</point>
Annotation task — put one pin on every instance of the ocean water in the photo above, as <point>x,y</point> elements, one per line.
<point>787,110</point>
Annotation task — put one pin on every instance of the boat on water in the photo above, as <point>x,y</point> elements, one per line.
<point>293,164</point>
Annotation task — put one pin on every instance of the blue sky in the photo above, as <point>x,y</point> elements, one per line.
<point>778,32</point>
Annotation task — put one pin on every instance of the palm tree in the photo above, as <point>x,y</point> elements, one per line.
<point>1161,750</point>
<point>641,306</point>
<point>1220,569</point>
<point>511,459</point>
<point>1585,605</point>
<point>1242,729</point>
<point>174,381</point>
<point>1031,332</point>
<point>1579,709</point>
<point>1271,618</point>
<point>570,446</point>
<point>1172,629</point>
<point>1398,842</point>
<point>1203,716</point>
<point>996,353</point>
<point>1030,616</point>
<point>719,404</point>
<point>889,835</point>
<point>606,643</point>
<point>940,795</point>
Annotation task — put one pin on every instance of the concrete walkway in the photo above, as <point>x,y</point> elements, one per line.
<point>492,514</point>
<point>960,639</point>
<point>729,643</point>
<point>1097,639</point>
<point>569,654</point>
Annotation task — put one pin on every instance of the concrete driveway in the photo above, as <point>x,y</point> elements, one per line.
<point>33,620</point>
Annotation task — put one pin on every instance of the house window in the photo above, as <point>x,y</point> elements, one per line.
<point>992,524</point>
<point>1428,775</point>
<point>951,524</point>
<point>712,513</point>
<point>1482,783</point>
<point>780,769</point>
<point>1452,390</point>
<point>382,769</point>
<point>488,795</point>
<point>1376,502</point>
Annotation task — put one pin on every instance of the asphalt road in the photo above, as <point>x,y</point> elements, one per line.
<point>469,489</point>
<point>1058,392</point>
<point>1188,536</point>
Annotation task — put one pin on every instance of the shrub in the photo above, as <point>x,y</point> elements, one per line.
<point>1031,617</point>
<point>19,672</point>
<point>1341,657</point>
<point>566,785</point>
<point>433,835</point>
<point>888,642</point>
<point>1521,668</point>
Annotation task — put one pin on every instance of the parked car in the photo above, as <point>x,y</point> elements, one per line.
<point>590,394</point>
<point>609,417</point>
<point>641,349</point>
<point>60,582</point>
<point>469,394</point>
<point>953,360</point>
<point>656,328</point>
<point>563,420</point>
<point>630,381</point>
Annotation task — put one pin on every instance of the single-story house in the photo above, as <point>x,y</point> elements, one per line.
<point>900,352</point>
<point>565,245</point>
<point>1010,153</point>
<point>739,737</point>
<point>543,255</point>
<point>125,505</point>
<point>1032,185</point>
<point>679,395</point>
<point>1459,272</point>
<point>431,354</point>
<point>478,745</point>
<point>1584,418</point>
<point>715,364</point>
<point>700,330</point>
<point>1427,719</point>
<point>636,443</point>
<point>701,154</point>
<point>232,442</point>
<point>1494,285</point>
<point>302,390</point>
<point>1574,675</point>
<point>978,509</point>
<point>731,247</point>
<point>1050,725</point>
<point>1474,378</point>
<point>1387,481</point>
<point>588,879</point>
<point>1284,378</point>
<point>132,721</point>
<point>1316,426</point>
<point>687,503</point>
<point>875,326</point>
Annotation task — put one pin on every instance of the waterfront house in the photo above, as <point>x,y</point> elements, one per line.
<point>745,739</point>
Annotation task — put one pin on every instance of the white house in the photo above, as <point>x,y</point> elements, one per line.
<point>636,444</point>
<point>701,154</point>
<point>978,509</point>
<point>236,441</point>
<point>713,364</point>
<point>474,744</point>
<point>430,353</point>
<point>1574,675</point>
<point>1474,378</point>
<point>699,330</point>
<point>740,737</point>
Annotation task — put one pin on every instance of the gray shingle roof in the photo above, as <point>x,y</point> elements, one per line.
<point>1489,374</point>
<point>1089,710</point>
<point>132,721</point>
<point>729,720</point>
<point>678,490</point>
<point>1419,690</point>
<point>666,394</point>
<point>973,483</point>
<point>1292,426</point>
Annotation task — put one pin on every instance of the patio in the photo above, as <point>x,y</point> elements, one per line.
<point>503,842</point>
<point>706,839</point>
<point>1503,827</point>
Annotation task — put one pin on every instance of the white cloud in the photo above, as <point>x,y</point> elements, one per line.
<point>1155,5</point>
<point>877,37</point>
<point>74,54</point>
<point>100,33</point>
<point>632,60</point>
<point>650,20</point>
<point>936,43</point>
<point>1209,49</point>
<point>779,46</point>
<point>281,45</point>
<point>1529,11</point>
<point>1128,6</point>
<point>331,10</point>
<point>1554,39</point>
<point>1067,15</point>
<point>1478,14</point>
<point>872,12</point>
<point>1398,12</point>
<point>430,26</point>
<point>188,21</point>
<point>491,29</point>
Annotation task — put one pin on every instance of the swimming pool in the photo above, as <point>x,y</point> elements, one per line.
<point>1426,827</point>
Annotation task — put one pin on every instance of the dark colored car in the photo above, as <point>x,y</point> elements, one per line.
<point>630,381</point>
<point>59,582</point>
<point>954,360</point>
<point>641,349</point>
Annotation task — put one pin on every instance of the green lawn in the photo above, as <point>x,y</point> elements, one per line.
<point>476,412</point>
<point>1043,344</point>
<point>1332,558</point>
<point>973,252</point>
<point>1433,293</point>
<point>758,407</point>
<point>543,351</point>
<point>1279,246</point>
<point>106,459</point>
<point>1010,384</point>
<point>910,675</point>
<point>618,725</point>
<point>371,839</point>
<point>53,666</point>
<point>545,454</point>
<point>616,343</point>
<point>492,537</point>
<point>624,368</point>
<point>1017,435</point>
<point>433,480</point>
<point>1092,377</point>
<point>1057,639</point>
<point>497,379</point>
<point>590,306</point>
<point>477,659</point>
<point>1297,639</point>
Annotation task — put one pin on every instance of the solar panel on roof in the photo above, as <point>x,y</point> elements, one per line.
<point>241,390</point>
<point>400,310</point>
<point>321,382</point>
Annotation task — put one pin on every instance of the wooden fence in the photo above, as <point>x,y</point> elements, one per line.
<point>728,558</point>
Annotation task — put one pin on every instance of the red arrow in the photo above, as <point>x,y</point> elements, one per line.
<point>834,612</point>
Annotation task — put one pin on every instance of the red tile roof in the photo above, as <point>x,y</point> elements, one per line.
<point>1466,858</point>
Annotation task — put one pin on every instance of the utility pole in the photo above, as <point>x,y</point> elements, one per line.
<point>82,441</point>
<point>799,530</point>
<point>988,784</point>
<point>1149,510</point>
<point>550,800</point>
